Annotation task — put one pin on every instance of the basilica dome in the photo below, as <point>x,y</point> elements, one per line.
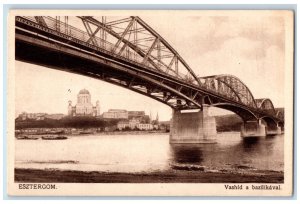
<point>84,91</point>
<point>84,106</point>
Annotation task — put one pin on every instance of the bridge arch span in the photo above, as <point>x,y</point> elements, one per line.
<point>280,115</point>
<point>272,126</point>
<point>234,88</point>
<point>270,121</point>
<point>265,104</point>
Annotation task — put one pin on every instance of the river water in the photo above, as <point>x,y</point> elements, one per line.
<point>148,153</point>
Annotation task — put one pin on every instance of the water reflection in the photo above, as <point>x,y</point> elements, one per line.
<point>188,153</point>
<point>250,143</point>
<point>271,137</point>
<point>259,145</point>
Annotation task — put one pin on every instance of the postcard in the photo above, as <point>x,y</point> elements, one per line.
<point>150,103</point>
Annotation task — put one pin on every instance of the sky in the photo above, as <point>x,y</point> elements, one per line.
<point>249,47</point>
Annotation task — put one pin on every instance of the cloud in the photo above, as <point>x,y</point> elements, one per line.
<point>263,76</point>
<point>210,33</point>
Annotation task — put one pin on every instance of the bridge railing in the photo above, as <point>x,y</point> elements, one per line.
<point>69,30</point>
<point>59,26</point>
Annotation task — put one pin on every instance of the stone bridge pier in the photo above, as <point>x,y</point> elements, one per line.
<point>260,128</point>
<point>253,129</point>
<point>193,127</point>
<point>273,130</point>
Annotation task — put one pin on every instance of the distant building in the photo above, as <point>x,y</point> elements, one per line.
<point>145,126</point>
<point>136,114</point>
<point>40,116</point>
<point>156,121</point>
<point>133,123</point>
<point>84,106</point>
<point>115,114</point>
<point>33,116</point>
<point>122,125</point>
<point>124,114</point>
<point>56,116</point>
<point>132,119</point>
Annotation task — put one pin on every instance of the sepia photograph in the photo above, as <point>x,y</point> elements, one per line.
<point>150,102</point>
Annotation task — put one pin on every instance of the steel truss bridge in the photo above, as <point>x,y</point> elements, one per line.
<point>127,52</point>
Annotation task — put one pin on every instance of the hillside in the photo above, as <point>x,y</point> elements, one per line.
<point>227,123</point>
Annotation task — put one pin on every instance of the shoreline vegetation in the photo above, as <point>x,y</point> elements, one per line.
<point>168,176</point>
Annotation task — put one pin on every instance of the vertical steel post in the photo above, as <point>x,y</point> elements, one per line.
<point>104,32</point>
<point>176,65</point>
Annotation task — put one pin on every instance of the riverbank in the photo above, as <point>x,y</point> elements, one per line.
<point>169,176</point>
<point>133,132</point>
<point>159,132</point>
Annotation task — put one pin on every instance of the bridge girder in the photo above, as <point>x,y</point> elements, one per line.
<point>265,104</point>
<point>230,86</point>
<point>144,44</point>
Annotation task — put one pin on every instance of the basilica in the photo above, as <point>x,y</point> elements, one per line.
<point>84,107</point>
